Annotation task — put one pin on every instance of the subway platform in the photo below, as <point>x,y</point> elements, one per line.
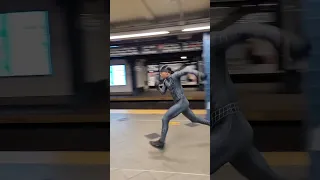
<point>187,152</point>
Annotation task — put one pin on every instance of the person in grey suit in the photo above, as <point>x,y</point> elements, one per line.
<point>231,134</point>
<point>172,83</point>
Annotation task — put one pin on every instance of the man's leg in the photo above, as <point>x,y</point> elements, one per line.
<point>223,143</point>
<point>228,137</point>
<point>220,151</point>
<point>253,166</point>
<point>195,119</point>
<point>173,112</point>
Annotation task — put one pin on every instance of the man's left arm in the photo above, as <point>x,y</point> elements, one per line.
<point>186,71</point>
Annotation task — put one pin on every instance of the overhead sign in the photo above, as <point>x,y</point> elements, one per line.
<point>192,46</point>
<point>156,49</point>
<point>124,51</point>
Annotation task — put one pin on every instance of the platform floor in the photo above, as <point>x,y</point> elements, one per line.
<point>186,155</point>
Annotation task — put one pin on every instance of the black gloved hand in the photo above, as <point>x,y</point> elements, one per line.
<point>156,83</point>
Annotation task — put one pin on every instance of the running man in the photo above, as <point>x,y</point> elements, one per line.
<point>172,82</point>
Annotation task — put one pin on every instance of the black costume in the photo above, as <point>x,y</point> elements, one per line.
<point>231,134</point>
<point>181,103</point>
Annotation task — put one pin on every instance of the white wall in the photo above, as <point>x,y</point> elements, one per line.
<point>141,73</point>
<point>60,82</point>
<point>127,88</point>
<point>145,77</point>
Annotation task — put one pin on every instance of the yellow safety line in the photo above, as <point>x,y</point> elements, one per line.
<point>150,111</point>
<point>174,123</point>
<point>55,157</point>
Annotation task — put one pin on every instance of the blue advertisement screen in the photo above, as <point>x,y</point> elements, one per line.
<point>118,75</point>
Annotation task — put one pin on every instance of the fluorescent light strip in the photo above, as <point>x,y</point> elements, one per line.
<point>138,35</point>
<point>196,29</point>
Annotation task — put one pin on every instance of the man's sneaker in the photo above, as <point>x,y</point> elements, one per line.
<point>157,144</point>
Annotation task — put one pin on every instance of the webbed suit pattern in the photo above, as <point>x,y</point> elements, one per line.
<point>231,134</point>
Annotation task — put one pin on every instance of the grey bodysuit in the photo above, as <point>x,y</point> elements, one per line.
<point>181,103</point>
<point>232,137</point>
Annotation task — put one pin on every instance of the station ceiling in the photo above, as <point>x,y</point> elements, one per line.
<point>127,15</point>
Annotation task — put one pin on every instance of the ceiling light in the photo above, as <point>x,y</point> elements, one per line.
<point>127,36</point>
<point>196,29</point>
<point>183,57</point>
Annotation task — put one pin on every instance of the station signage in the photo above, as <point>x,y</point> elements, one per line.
<point>156,49</point>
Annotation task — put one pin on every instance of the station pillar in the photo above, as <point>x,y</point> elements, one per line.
<point>206,61</point>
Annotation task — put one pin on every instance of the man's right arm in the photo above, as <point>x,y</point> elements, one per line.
<point>161,87</point>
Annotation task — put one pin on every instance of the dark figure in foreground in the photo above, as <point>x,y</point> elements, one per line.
<point>181,103</point>
<point>231,134</point>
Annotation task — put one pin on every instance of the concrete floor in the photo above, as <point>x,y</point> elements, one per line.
<point>186,155</point>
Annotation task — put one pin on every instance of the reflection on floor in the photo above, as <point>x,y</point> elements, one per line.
<point>186,155</point>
